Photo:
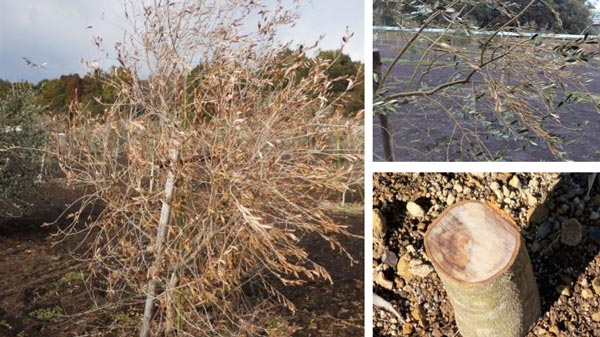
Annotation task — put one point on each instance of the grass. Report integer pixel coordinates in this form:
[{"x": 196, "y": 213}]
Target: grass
[
  {"x": 46, "y": 314},
  {"x": 70, "y": 277}
]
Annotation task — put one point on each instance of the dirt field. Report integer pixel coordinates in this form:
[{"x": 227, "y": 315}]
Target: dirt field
[
  {"x": 419, "y": 129},
  {"x": 42, "y": 292}
]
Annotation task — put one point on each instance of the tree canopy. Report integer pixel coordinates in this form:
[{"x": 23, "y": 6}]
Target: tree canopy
[
  {"x": 566, "y": 16},
  {"x": 94, "y": 90}
]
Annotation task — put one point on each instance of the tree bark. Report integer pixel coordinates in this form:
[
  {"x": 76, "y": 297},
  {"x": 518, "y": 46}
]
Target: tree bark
[
  {"x": 386, "y": 131},
  {"x": 482, "y": 261}
]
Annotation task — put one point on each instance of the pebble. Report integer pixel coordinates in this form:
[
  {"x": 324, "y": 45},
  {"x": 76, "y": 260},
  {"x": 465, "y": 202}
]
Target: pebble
[
  {"x": 596, "y": 285},
  {"x": 495, "y": 187},
  {"x": 595, "y": 234},
  {"x": 379, "y": 227},
  {"x": 531, "y": 200},
  {"x": 399, "y": 282},
  {"x": 418, "y": 314},
  {"x": 534, "y": 183},
  {"x": 407, "y": 329},
  {"x": 505, "y": 191},
  {"x": 402, "y": 268},
  {"x": 596, "y": 317},
  {"x": 421, "y": 269},
  {"x": 537, "y": 215},
  {"x": 515, "y": 182},
  {"x": 544, "y": 230},
  {"x": 571, "y": 232},
  {"x": 415, "y": 209},
  {"x": 390, "y": 258},
  {"x": 458, "y": 187},
  {"x": 381, "y": 280},
  {"x": 594, "y": 216},
  {"x": 451, "y": 199},
  {"x": 587, "y": 293},
  {"x": 564, "y": 290}
]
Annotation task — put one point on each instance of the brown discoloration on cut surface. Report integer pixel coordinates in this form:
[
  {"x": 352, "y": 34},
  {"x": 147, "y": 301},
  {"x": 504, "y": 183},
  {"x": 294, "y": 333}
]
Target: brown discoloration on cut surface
[
  {"x": 472, "y": 242},
  {"x": 459, "y": 255}
]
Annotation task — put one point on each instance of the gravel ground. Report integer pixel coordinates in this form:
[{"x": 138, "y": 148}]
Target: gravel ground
[{"x": 558, "y": 215}]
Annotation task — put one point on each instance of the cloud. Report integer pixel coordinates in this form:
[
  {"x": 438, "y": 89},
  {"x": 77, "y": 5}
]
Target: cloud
[{"x": 56, "y": 32}]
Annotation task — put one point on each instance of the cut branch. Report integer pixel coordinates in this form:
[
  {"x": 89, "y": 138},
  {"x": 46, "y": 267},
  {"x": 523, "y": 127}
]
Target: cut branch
[{"x": 484, "y": 266}]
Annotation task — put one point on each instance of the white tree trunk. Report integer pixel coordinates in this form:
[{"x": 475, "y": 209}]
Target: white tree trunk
[{"x": 163, "y": 223}]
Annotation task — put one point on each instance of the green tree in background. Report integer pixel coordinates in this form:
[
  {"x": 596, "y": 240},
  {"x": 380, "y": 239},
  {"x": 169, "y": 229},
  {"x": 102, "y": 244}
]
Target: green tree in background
[
  {"x": 343, "y": 67},
  {"x": 20, "y": 137},
  {"x": 565, "y": 16},
  {"x": 94, "y": 90}
]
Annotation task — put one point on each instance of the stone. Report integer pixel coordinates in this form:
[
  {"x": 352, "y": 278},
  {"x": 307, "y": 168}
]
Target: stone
[
  {"x": 407, "y": 329},
  {"x": 596, "y": 285},
  {"x": 451, "y": 199},
  {"x": 537, "y": 215},
  {"x": 381, "y": 280},
  {"x": 571, "y": 232},
  {"x": 531, "y": 200},
  {"x": 543, "y": 231},
  {"x": 555, "y": 330},
  {"x": 515, "y": 182},
  {"x": 458, "y": 187},
  {"x": 415, "y": 209},
  {"x": 402, "y": 268},
  {"x": 596, "y": 316},
  {"x": 505, "y": 191},
  {"x": 390, "y": 258},
  {"x": 587, "y": 293},
  {"x": 595, "y": 234},
  {"x": 596, "y": 201},
  {"x": 379, "y": 226},
  {"x": 495, "y": 186},
  {"x": 594, "y": 216},
  {"x": 399, "y": 282},
  {"x": 564, "y": 290},
  {"x": 419, "y": 315},
  {"x": 420, "y": 269}
]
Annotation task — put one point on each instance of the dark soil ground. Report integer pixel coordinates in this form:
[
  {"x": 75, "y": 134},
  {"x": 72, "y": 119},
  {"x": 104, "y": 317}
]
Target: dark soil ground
[
  {"x": 42, "y": 292},
  {"x": 565, "y": 259},
  {"x": 421, "y": 129}
]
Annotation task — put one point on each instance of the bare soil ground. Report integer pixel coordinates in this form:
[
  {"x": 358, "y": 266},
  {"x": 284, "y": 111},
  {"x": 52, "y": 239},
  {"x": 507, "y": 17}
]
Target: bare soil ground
[{"x": 43, "y": 293}]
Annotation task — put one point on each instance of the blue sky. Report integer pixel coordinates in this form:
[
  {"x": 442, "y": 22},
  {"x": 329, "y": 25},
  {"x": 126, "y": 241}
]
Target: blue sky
[{"x": 55, "y": 32}]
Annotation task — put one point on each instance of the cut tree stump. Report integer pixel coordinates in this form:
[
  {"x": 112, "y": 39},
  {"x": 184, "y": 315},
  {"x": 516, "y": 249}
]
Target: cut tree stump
[{"x": 478, "y": 254}]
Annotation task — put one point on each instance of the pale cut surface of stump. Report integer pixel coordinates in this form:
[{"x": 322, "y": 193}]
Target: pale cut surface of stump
[{"x": 478, "y": 254}]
